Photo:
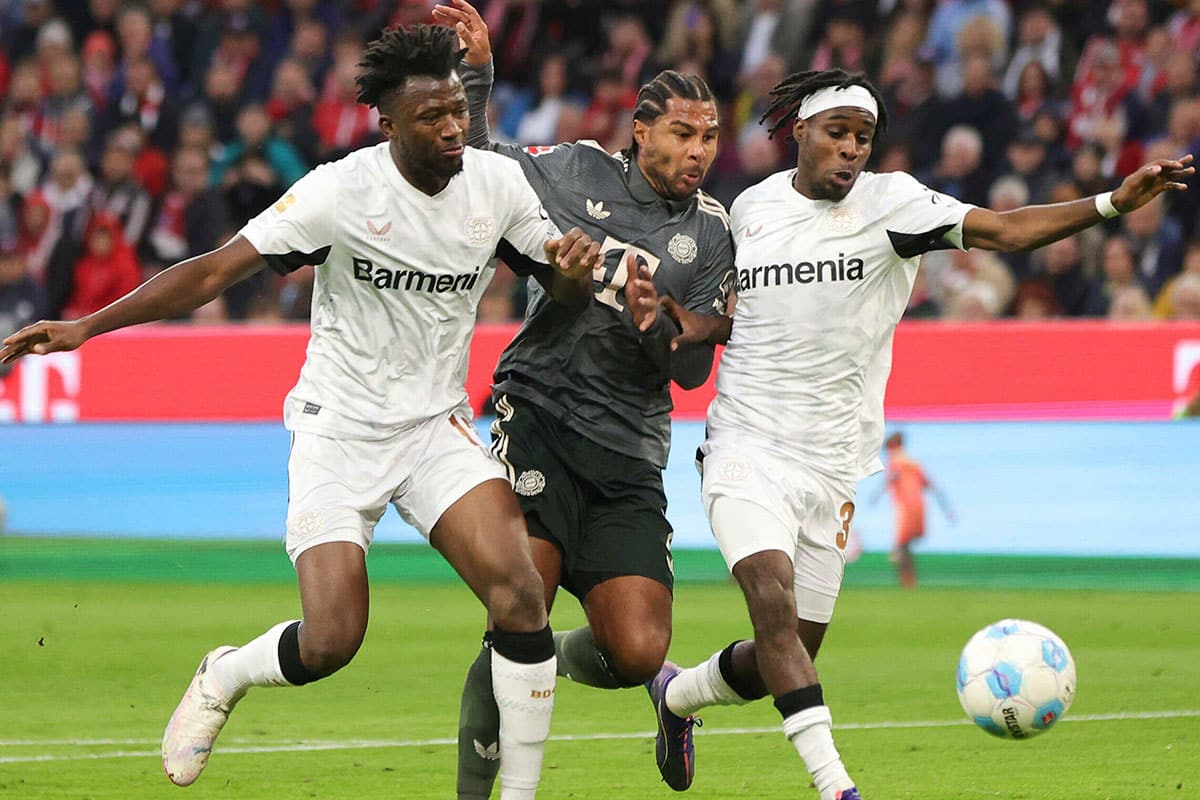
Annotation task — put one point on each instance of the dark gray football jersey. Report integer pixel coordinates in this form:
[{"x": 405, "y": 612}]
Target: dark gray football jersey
[{"x": 589, "y": 367}]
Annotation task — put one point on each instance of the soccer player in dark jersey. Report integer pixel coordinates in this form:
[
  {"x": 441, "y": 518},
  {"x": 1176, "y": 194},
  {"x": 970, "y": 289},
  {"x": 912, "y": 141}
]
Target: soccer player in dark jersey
[{"x": 582, "y": 394}]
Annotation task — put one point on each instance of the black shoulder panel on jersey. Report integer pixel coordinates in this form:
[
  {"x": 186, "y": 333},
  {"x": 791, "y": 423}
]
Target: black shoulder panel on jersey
[
  {"x": 909, "y": 245},
  {"x": 517, "y": 261},
  {"x": 290, "y": 262}
]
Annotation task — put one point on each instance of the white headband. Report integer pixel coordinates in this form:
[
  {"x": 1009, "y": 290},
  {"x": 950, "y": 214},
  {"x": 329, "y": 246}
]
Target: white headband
[{"x": 833, "y": 97}]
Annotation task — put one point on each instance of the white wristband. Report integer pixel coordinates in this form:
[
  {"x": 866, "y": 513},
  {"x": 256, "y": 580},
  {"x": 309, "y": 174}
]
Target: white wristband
[{"x": 1104, "y": 205}]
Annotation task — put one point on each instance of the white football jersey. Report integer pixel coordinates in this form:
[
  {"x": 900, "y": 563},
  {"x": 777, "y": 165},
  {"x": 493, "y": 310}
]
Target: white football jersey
[
  {"x": 399, "y": 275},
  {"x": 821, "y": 286}
]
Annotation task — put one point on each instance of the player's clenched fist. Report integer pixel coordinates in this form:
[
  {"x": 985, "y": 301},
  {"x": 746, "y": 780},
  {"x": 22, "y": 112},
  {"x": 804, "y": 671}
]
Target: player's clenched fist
[
  {"x": 42, "y": 338},
  {"x": 575, "y": 255}
]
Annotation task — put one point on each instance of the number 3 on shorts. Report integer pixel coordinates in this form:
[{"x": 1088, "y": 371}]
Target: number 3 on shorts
[{"x": 846, "y": 515}]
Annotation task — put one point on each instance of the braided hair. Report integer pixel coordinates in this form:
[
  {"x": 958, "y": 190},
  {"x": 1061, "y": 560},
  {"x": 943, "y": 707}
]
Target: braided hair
[
  {"x": 652, "y": 98},
  {"x": 790, "y": 92},
  {"x": 402, "y": 53}
]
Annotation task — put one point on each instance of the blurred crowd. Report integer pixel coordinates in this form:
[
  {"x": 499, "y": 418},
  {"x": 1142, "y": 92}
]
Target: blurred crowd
[{"x": 134, "y": 135}]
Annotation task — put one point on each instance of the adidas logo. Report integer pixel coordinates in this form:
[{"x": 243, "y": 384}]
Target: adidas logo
[
  {"x": 596, "y": 210},
  {"x": 489, "y": 753}
]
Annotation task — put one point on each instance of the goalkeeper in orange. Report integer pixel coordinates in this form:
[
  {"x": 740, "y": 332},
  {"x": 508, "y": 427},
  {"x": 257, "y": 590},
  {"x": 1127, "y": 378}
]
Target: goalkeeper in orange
[{"x": 907, "y": 483}]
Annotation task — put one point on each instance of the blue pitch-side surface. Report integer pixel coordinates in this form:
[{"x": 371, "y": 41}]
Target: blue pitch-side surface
[{"x": 1051, "y": 488}]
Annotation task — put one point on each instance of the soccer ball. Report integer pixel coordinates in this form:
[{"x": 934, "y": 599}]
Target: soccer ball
[{"x": 1015, "y": 679}]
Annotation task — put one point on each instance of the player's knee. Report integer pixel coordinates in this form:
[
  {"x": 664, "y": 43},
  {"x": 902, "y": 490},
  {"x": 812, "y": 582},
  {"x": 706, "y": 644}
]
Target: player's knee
[
  {"x": 325, "y": 649},
  {"x": 770, "y": 601},
  {"x": 638, "y": 655},
  {"x": 516, "y": 603}
]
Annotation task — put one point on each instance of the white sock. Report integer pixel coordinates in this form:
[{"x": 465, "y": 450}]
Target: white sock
[
  {"x": 525, "y": 695},
  {"x": 700, "y": 686},
  {"x": 255, "y": 663},
  {"x": 811, "y": 733}
]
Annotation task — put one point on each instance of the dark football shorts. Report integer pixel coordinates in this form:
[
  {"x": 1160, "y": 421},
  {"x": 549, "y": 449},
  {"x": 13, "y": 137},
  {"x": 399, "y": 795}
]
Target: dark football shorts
[{"x": 606, "y": 512}]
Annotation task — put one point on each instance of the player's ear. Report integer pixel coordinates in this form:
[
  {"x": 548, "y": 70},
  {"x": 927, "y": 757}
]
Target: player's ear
[
  {"x": 640, "y": 132},
  {"x": 798, "y": 127},
  {"x": 387, "y": 126}
]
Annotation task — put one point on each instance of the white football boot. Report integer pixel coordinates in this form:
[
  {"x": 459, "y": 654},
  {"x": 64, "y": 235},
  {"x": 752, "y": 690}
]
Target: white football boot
[{"x": 199, "y": 717}]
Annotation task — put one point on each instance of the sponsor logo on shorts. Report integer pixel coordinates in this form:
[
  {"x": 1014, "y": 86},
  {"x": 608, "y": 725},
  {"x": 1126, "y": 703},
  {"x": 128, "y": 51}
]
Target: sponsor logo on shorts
[
  {"x": 305, "y": 526},
  {"x": 312, "y": 408},
  {"x": 489, "y": 752},
  {"x": 732, "y": 470},
  {"x": 531, "y": 483}
]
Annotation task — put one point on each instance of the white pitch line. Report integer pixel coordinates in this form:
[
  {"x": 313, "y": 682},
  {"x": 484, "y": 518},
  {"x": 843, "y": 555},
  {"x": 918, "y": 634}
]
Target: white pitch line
[{"x": 309, "y": 745}]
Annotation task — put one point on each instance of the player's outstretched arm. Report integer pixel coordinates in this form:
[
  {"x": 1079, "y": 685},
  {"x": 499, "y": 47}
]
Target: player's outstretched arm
[
  {"x": 1030, "y": 227},
  {"x": 172, "y": 293}
]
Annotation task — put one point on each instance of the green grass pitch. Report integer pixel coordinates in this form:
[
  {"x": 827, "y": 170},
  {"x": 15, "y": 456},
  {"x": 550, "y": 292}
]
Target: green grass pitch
[{"x": 91, "y": 665}]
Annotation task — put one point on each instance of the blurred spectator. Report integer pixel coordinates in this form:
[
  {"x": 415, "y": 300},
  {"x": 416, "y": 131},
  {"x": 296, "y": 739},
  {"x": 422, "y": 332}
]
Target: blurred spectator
[
  {"x": 20, "y": 40},
  {"x": 1034, "y": 91},
  {"x": 913, "y": 110},
  {"x": 1184, "y": 27},
  {"x": 341, "y": 123},
  {"x": 21, "y": 298},
  {"x": 704, "y": 33},
  {"x": 775, "y": 27},
  {"x": 1164, "y": 307},
  {"x": 66, "y": 94},
  {"x": 256, "y": 139},
  {"x": 1087, "y": 170},
  {"x": 293, "y": 14},
  {"x": 1119, "y": 272},
  {"x": 539, "y": 123},
  {"x": 24, "y": 101},
  {"x": 844, "y": 41},
  {"x": 960, "y": 171},
  {"x": 983, "y": 107},
  {"x": 290, "y": 107},
  {"x": 1179, "y": 90},
  {"x": 629, "y": 50},
  {"x": 902, "y": 33},
  {"x": 18, "y": 159},
  {"x": 175, "y": 33},
  {"x": 1184, "y": 297},
  {"x": 606, "y": 118},
  {"x": 135, "y": 31},
  {"x": 99, "y": 59},
  {"x": 1130, "y": 304},
  {"x": 117, "y": 193},
  {"x": 1103, "y": 106},
  {"x": 977, "y": 302},
  {"x": 192, "y": 217},
  {"x": 942, "y": 45},
  {"x": 1025, "y": 158},
  {"x": 222, "y": 99},
  {"x": 1157, "y": 243},
  {"x": 85, "y": 16},
  {"x": 145, "y": 100},
  {"x": 107, "y": 271},
  {"x": 9, "y": 209},
  {"x": 1060, "y": 265},
  {"x": 310, "y": 48},
  {"x": 952, "y": 274},
  {"x": 755, "y": 157},
  {"x": 1034, "y": 300},
  {"x": 1039, "y": 41}
]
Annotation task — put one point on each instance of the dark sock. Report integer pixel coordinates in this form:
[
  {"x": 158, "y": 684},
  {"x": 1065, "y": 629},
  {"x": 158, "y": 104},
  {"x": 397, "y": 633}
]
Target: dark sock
[
  {"x": 744, "y": 689},
  {"x": 290, "y": 665},
  {"x": 796, "y": 701},
  {"x": 478, "y": 729},
  {"x": 581, "y": 660},
  {"x": 524, "y": 648}
]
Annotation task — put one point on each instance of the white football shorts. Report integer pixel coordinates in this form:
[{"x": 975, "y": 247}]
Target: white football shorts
[
  {"x": 338, "y": 489},
  {"x": 758, "y": 500}
]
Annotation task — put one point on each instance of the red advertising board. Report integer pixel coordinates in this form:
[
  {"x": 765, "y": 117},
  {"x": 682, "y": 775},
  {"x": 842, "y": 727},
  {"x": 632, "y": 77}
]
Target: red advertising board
[{"x": 1066, "y": 370}]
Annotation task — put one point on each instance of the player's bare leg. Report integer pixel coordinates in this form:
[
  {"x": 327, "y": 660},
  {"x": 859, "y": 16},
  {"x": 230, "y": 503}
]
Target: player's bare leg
[
  {"x": 483, "y": 536},
  {"x": 478, "y": 715},
  {"x": 906, "y": 570},
  {"x": 334, "y": 598}
]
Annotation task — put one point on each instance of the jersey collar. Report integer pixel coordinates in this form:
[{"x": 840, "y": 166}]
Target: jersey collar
[{"x": 643, "y": 192}]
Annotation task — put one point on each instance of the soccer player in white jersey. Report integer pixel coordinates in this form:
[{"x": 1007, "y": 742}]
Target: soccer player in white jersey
[
  {"x": 826, "y": 257},
  {"x": 402, "y": 235}
]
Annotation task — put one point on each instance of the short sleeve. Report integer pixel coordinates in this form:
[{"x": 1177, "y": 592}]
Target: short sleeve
[
  {"x": 922, "y": 219},
  {"x": 298, "y": 228},
  {"x": 710, "y": 288},
  {"x": 529, "y": 226}
]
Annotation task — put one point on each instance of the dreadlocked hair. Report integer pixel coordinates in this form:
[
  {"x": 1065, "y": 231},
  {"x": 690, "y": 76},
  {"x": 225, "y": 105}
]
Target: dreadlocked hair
[
  {"x": 652, "y": 98},
  {"x": 402, "y": 53},
  {"x": 790, "y": 92}
]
